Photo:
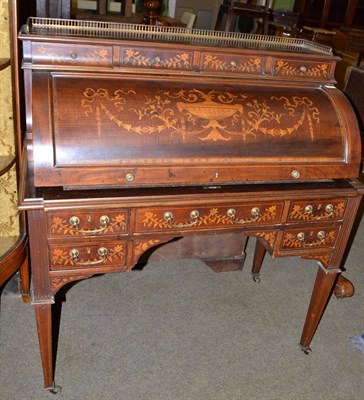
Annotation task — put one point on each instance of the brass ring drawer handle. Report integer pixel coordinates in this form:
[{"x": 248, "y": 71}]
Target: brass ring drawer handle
[
  {"x": 255, "y": 212},
  {"x": 102, "y": 251},
  {"x": 168, "y": 217},
  {"x": 321, "y": 235},
  {"x": 75, "y": 222},
  {"x": 329, "y": 209}
]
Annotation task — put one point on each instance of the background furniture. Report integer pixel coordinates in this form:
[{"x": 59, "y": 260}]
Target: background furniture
[
  {"x": 354, "y": 90},
  {"x": 231, "y": 8},
  {"x": 53, "y": 8},
  {"x": 205, "y": 10},
  {"x": 331, "y": 13},
  {"x": 284, "y": 23},
  {"x": 150, "y": 14},
  {"x": 349, "y": 45},
  {"x": 189, "y": 19},
  {"x": 319, "y": 35}
]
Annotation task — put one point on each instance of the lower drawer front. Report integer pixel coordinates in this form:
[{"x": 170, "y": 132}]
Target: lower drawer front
[
  {"x": 309, "y": 238},
  {"x": 161, "y": 219},
  {"x": 317, "y": 210},
  {"x": 88, "y": 255}
]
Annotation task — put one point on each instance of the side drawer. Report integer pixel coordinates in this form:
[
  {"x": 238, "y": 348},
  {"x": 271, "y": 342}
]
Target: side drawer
[
  {"x": 71, "y": 55},
  {"x": 161, "y": 219},
  {"x": 215, "y": 62},
  {"x": 309, "y": 238},
  {"x": 317, "y": 210},
  {"x": 82, "y": 255},
  {"x": 301, "y": 69},
  {"x": 87, "y": 223},
  {"x": 156, "y": 58}
]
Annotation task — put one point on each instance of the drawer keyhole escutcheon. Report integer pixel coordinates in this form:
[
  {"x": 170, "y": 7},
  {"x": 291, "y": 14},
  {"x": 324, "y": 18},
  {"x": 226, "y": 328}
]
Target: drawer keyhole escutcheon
[
  {"x": 255, "y": 212},
  {"x": 168, "y": 217},
  {"x": 73, "y": 56},
  {"x": 75, "y": 222}
]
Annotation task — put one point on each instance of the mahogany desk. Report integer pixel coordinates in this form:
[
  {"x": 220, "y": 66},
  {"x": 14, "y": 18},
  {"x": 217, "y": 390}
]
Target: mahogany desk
[{"x": 158, "y": 133}]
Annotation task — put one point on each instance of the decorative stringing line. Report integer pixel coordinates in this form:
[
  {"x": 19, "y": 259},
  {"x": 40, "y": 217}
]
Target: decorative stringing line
[{"x": 37, "y": 25}]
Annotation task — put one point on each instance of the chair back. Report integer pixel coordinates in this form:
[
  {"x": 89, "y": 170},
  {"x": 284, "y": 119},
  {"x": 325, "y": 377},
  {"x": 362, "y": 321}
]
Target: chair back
[{"x": 189, "y": 19}]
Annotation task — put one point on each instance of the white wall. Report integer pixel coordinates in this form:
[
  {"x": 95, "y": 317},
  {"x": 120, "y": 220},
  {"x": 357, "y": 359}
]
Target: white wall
[{"x": 171, "y": 7}]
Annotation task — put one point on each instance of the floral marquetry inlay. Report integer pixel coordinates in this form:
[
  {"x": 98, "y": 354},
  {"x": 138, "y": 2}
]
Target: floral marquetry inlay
[
  {"x": 300, "y": 213},
  {"x": 213, "y": 62},
  {"x": 213, "y": 217},
  {"x": 292, "y": 240},
  {"x": 283, "y": 67},
  {"x": 323, "y": 259},
  {"x": 137, "y": 59},
  {"x": 270, "y": 237},
  {"x": 58, "y": 282},
  {"x": 61, "y": 226},
  {"x": 100, "y": 56},
  {"x": 198, "y": 115},
  {"x": 143, "y": 245},
  {"x": 62, "y": 257}
]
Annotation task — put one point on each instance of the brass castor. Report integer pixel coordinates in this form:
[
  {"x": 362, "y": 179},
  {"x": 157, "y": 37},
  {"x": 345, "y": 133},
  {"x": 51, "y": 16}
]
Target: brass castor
[
  {"x": 306, "y": 349},
  {"x": 343, "y": 288},
  {"x": 55, "y": 389}
]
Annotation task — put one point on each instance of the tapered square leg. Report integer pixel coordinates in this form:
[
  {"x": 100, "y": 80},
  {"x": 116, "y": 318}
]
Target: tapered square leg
[
  {"x": 322, "y": 290},
  {"x": 43, "y": 314},
  {"x": 259, "y": 254}
]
